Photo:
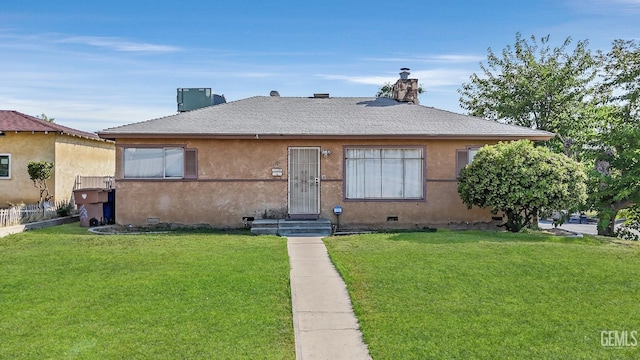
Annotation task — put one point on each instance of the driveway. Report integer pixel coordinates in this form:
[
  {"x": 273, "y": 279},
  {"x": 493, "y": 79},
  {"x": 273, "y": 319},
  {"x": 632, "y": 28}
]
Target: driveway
[{"x": 590, "y": 229}]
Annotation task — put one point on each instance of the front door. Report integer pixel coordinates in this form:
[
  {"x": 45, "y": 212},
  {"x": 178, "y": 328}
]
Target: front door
[{"x": 304, "y": 182}]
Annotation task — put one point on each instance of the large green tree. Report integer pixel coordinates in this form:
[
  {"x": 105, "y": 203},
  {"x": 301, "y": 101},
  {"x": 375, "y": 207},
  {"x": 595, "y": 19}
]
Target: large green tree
[
  {"x": 519, "y": 179},
  {"x": 535, "y": 85},
  {"x": 592, "y": 103},
  {"x": 622, "y": 73},
  {"x": 615, "y": 148}
]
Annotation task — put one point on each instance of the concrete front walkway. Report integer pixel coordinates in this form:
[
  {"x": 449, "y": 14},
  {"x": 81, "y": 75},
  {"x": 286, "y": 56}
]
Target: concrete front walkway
[{"x": 323, "y": 320}]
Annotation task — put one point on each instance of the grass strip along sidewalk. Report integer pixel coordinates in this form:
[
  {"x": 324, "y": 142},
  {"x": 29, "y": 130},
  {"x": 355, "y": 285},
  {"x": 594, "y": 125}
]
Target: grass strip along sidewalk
[
  {"x": 466, "y": 295},
  {"x": 66, "y": 293}
]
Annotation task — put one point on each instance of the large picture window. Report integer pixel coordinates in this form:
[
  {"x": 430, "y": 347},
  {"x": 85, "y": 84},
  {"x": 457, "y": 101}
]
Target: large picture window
[
  {"x": 163, "y": 163},
  {"x": 384, "y": 173},
  {"x": 5, "y": 166}
]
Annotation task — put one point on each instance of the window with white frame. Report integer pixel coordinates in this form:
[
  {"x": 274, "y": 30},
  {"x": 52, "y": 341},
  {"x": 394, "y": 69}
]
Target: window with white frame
[
  {"x": 384, "y": 173},
  {"x": 5, "y": 166},
  {"x": 159, "y": 163}
]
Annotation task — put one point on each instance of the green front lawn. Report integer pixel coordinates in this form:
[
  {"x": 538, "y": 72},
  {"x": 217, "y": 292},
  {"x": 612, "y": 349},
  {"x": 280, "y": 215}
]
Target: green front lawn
[
  {"x": 65, "y": 293},
  {"x": 466, "y": 295}
]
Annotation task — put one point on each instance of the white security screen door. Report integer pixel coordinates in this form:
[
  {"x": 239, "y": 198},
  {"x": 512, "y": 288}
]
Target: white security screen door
[{"x": 304, "y": 181}]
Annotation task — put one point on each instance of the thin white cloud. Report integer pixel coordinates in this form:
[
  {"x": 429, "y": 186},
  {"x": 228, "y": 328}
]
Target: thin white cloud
[
  {"x": 445, "y": 58},
  {"x": 117, "y": 44},
  {"x": 366, "y": 80},
  {"x": 40, "y": 41},
  {"x": 250, "y": 74},
  {"x": 441, "y": 77},
  {"x": 430, "y": 78},
  {"x": 453, "y": 58}
]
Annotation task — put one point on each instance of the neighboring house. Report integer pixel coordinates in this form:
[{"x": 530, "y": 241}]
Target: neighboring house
[
  {"x": 387, "y": 163},
  {"x": 25, "y": 138}
]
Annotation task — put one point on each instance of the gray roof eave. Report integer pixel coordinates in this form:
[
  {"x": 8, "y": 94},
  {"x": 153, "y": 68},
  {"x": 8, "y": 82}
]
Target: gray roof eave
[{"x": 113, "y": 136}]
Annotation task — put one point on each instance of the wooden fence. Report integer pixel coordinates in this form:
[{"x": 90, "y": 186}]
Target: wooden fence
[{"x": 23, "y": 214}]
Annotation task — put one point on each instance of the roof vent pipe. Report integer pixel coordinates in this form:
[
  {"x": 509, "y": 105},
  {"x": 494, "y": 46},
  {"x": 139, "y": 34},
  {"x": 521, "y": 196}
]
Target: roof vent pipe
[{"x": 404, "y": 73}]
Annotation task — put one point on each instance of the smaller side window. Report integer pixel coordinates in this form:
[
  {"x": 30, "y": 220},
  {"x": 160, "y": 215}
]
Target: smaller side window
[
  {"x": 472, "y": 154},
  {"x": 190, "y": 164},
  {"x": 5, "y": 166},
  {"x": 464, "y": 157}
]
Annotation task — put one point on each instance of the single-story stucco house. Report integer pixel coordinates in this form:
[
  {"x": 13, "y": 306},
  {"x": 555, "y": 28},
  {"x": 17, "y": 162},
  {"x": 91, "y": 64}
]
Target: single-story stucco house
[
  {"x": 387, "y": 162},
  {"x": 25, "y": 138}
]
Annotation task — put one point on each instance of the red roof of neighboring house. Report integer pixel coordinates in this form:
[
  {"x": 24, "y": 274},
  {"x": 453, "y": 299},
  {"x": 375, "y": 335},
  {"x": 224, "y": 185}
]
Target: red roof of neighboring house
[{"x": 11, "y": 120}]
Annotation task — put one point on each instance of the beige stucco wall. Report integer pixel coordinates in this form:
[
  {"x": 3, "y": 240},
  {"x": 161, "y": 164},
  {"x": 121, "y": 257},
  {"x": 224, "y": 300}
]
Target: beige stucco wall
[
  {"x": 24, "y": 147},
  {"x": 79, "y": 156},
  {"x": 235, "y": 181},
  {"x": 71, "y": 156}
]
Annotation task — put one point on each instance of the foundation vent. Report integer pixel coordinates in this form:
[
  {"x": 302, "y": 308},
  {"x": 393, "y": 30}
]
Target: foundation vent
[{"x": 247, "y": 221}]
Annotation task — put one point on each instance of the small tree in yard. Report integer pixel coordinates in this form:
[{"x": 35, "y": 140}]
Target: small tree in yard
[
  {"x": 40, "y": 172},
  {"x": 519, "y": 180}
]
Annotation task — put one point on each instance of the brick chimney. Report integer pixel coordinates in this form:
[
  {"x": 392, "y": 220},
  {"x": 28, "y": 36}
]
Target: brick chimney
[{"x": 405, "y": 89}]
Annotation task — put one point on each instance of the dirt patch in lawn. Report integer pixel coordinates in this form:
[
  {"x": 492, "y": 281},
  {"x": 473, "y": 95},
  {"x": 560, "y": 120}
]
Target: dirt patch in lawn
[{"x": 558, "y": 232}]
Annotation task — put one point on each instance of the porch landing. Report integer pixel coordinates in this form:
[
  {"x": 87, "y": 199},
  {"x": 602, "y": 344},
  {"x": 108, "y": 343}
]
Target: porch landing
[{"x": 292, "y": 228}]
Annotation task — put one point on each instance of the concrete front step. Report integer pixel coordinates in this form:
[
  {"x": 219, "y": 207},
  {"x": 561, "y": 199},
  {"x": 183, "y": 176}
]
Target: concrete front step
[{"x": 291, "y": 228}]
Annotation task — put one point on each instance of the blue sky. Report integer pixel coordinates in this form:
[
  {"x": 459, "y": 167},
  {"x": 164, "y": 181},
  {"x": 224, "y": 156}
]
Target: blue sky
[{"x": 98, "y": 64}]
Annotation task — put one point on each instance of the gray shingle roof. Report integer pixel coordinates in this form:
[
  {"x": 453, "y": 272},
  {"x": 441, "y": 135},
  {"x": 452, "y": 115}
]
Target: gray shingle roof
[{"x": 340, "y": 117}]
